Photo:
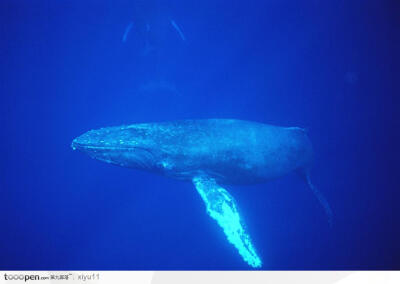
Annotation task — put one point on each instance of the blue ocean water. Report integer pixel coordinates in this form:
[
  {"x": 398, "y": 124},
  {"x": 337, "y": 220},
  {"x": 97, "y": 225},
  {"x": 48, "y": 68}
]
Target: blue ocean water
[{"x": 71, "y": 66}]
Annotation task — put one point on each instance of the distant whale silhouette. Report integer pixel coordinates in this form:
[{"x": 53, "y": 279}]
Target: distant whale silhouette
[{"x": 209, "y": 152}]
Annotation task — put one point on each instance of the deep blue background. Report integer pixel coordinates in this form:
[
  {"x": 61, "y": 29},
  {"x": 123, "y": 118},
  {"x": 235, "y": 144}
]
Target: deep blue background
[{"x": 328, "y": 66}]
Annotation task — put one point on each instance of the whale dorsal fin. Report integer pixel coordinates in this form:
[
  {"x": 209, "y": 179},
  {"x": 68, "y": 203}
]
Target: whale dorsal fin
[{"x": 221, "y": 206}]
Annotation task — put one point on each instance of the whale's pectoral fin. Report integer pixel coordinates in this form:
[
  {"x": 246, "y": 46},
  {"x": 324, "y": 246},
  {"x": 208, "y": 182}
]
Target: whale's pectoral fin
[{"x": 222, "y": 207}]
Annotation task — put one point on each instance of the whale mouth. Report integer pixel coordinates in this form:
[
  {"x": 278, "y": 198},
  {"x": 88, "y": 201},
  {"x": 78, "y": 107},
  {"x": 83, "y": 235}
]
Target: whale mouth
[
  {"x": 123, "y": 155},
  {"x": 82, "y": 146},
  {"x": 117, "y": 145},
  {"x": 75, "y": 145}
]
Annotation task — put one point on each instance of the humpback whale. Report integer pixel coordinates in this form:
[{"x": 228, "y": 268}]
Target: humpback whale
[{"x": 211, "y": 153}]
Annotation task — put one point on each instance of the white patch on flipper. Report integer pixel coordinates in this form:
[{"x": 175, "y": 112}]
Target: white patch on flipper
[{"x": 221, "y": 206}]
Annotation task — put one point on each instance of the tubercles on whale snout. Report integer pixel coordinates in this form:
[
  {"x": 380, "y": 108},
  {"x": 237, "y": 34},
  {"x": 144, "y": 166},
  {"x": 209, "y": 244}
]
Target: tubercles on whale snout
[{"x": 122, "y": 146}]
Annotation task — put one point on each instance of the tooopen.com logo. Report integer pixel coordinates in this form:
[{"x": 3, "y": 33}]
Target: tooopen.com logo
[{"x": 21, "y": 277}]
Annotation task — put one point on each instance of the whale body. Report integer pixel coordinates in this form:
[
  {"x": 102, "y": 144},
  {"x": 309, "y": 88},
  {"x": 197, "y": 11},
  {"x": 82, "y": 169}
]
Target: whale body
[{"x": 210, "y": 153}]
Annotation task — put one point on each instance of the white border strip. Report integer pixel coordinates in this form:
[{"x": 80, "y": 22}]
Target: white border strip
[{"x": 202, "y": 277}]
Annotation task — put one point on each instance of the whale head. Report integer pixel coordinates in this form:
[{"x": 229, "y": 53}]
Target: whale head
[{"x": 126, "y": 146}]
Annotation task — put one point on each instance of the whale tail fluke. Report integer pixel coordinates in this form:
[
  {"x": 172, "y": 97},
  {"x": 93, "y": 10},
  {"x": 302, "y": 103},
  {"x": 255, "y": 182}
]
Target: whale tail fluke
[{"x": 321, "y": 198}]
